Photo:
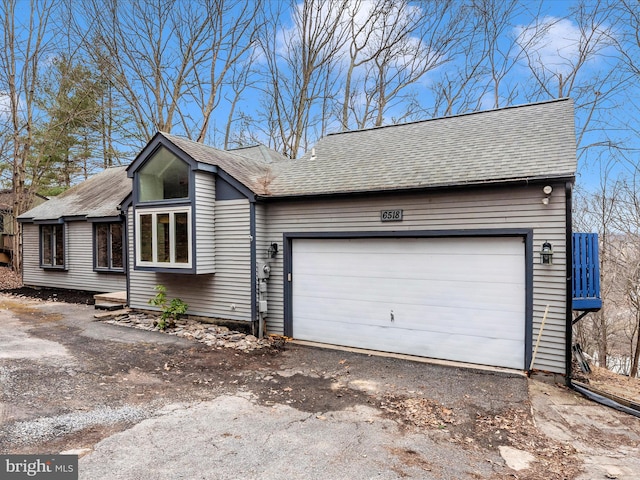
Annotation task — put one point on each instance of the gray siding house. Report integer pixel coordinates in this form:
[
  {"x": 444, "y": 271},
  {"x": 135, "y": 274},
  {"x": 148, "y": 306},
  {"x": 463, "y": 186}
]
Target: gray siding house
[
  {"x": 76, "y": 239},
  {"x": 424, "y": 238}
]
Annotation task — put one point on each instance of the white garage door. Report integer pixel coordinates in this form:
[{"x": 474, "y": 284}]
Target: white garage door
[{"x": 458, "y": 299}]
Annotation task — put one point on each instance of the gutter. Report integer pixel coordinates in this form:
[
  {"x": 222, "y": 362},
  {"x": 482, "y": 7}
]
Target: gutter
[{"x": 505, "y": 182}]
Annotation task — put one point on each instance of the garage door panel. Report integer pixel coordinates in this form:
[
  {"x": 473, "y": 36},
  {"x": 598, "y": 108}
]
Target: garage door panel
[
  {"x": 491, "y": 350},
  {"x": 419, "y": 319},
  {"x": 412, "y": 291},
  {"x": 457, "y": 298},
  {"x": 446, "y": 246},
  {"x": 361, "y": 265}
]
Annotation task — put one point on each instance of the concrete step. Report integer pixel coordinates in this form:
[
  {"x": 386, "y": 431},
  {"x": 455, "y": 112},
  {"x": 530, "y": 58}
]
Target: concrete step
[
  {"x": 114, "y": 313},
  {"x": 113, "y": 297}
]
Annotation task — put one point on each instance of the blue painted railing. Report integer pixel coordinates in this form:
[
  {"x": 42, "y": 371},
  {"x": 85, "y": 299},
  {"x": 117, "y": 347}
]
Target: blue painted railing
[{"x": 586, "y": 272}]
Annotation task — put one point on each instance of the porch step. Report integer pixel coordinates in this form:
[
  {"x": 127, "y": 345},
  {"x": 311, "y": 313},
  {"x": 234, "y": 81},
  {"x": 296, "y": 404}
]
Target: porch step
[{"x": 110, "y": 301}]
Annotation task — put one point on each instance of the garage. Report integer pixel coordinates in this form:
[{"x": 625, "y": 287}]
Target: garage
[{"x": 453, "y": 298}]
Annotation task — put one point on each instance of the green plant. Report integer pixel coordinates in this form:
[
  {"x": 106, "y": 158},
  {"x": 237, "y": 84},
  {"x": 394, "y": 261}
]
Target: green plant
[{"x": 170, "y": 311}]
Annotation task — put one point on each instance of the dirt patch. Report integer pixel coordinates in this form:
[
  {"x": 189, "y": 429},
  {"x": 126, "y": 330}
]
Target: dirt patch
[
  {"x": 419, "y": 412},
  {"x": 411, "y": 458},
  {"x": 474, "y": 411},
  {"x": 51, "y": 294},
  {"x": 487, "y": 431},
  {"x": 309, "y": 394}
]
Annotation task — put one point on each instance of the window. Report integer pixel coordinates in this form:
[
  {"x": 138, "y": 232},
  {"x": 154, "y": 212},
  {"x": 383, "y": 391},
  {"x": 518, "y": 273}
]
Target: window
[
  {"x": 163, "y": 177},
  {"x": 52, "y": 246},
  {"x": 164, "y": 237},
  {"x": 108, "y": 247}
]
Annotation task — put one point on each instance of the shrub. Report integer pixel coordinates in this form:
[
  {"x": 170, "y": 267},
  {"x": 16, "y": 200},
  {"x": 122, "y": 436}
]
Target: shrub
[{"x": 170, "y": 311}]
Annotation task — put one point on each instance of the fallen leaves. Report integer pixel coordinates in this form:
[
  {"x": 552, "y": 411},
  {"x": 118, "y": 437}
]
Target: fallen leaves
[{"x": 421, "y": 412}]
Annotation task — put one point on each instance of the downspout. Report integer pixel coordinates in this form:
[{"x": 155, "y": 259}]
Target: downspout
[
  {"x": 125, "y": 251},
  {"x": 569, "y": 287},
  {"x": 254, "y": 279}
]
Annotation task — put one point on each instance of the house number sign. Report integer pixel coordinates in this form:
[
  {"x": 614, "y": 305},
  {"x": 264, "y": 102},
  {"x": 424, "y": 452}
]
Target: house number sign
[{"x": 391, "y": 215}]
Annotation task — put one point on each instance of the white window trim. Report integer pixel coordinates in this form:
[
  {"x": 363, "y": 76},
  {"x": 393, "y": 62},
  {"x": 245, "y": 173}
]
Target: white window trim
[{"x": 154, "y": 237}]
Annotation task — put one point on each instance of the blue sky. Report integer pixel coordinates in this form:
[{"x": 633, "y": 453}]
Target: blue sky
[
  {"x": 616, "y": 121},
  {"x": 591, "y": 81}
]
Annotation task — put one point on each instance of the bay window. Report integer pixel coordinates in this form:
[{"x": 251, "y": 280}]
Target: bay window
[{"x": 164, "y": 237}]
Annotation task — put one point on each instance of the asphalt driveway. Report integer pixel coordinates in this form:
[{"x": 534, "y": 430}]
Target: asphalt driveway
[{"x": 137, "y": 404}]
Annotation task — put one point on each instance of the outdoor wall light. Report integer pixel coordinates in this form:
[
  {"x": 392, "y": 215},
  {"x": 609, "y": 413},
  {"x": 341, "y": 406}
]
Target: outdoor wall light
[
  {"x": 546, "y": 254},
  {"x": 547, "y": 194},
  {"x": 273, "y": 250}
]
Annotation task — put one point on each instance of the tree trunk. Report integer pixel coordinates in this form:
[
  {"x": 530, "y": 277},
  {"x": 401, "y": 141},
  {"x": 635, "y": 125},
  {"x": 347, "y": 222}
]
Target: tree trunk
[{"x": 636, "y": 353}]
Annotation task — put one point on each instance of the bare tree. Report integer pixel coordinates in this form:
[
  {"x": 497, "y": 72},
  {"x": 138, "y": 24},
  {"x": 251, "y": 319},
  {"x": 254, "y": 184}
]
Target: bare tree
[
  {"x": 568, "y": 70},
  {"x": 392, "y": 46},
  {"x": 242, "y": 78},
  {"x": 298, "y": 64},
  {"x": 409, "y": 42},
  {"x": 486, "y": 52},
  {"x": 25, "y": 47},
  {"x": 627, "y": 223},
  {"x": 168, "y": 59},
  {"x": 627, "y": 39},
  {"x": 597, "y": 213},
  {"x": 362, "y": 19}
]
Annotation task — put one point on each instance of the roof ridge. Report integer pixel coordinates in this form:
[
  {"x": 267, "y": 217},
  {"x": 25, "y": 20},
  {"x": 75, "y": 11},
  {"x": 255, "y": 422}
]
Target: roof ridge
[{"x": 434, "y": 119}]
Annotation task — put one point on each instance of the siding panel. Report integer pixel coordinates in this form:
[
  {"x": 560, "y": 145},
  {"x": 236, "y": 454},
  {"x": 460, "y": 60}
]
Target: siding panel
[
  {"x": 78, "y": 259},
  {"x": 503, "y": 208},
  {"x": 204, "y": 212},
  {"x": 225, "y": 294}
]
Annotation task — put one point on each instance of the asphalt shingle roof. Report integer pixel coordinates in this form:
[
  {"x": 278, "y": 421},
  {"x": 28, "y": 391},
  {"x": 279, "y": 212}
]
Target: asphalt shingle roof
[
  {"x": 249, "y": 171},
  {"x": 526, "y": 142},
  {"x": 98, "y": 196},
  {"x": 520, "y": 143},
  {"x": 259, "y": 152},
  {"x": 509, "y": 144}
]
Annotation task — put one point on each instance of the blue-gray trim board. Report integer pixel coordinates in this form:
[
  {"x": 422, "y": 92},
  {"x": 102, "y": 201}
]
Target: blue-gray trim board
[{"x": 226, "y": 191}]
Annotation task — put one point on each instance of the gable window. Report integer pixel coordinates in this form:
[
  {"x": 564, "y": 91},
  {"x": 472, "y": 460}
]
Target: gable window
[
  {"x": 164, "y": 237},
  {"x": 163, "y": 177},
  {"x": 52, "y": 246},
  {"x": 108, "y": 247}
]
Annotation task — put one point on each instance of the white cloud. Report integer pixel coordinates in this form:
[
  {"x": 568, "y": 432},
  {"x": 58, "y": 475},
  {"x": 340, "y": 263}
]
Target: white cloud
[
  {"x": 358, "y": 17},
  {"x": 555, "y": 44},
  {"x": 5, "y": 105}
]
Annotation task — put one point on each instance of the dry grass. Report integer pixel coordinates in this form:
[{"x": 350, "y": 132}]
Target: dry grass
[{"x": 611, "y": 382}]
